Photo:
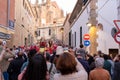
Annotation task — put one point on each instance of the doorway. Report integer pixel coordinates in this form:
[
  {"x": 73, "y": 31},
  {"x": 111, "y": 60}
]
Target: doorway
[{"x": 113, "y": 52}]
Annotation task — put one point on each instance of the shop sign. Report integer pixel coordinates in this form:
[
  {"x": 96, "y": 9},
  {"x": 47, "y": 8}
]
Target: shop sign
[{"x": 4, "y": 36}]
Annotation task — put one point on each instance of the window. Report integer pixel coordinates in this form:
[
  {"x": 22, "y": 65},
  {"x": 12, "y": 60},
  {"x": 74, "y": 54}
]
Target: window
[
  {"x": 80, "y": 34},
  {"x": 84, "y": 2},
  {"x": 23, "y": 2},
  {"x": 70, "y": 38},
  {"x": 113, "y": 52},
  {"x": 25, "y": 41},
  {"x": 22, "y": 18},
  {"x": 49, "y": 32},
  {"x": 39, "y": 32},
  {"x": 75, "y": 39}
]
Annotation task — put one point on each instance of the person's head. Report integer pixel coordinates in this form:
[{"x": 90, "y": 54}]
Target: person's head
[
  {"x": 100, "y": 26},
  {"x": 99, "y": 52},
  {"x": 105, "y": 56},
  {"x": 36, "y": 69},
  {"x": 31, "y": 53},
  {"x": 78, "y": 55},
  {"x": 70, "y": 48},
  {"x": 59, "y": 44},
  {"x": 47, "y": 57},
  {"x": 0, "y": 42},
  {"x": 20, "y": 54},
  {"x": 99, "y": 62},
  {"x": 81, "y": 46},
  {"x": 66, "y": 63}
]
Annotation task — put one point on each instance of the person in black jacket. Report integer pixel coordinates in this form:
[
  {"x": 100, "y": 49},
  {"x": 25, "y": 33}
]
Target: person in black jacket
[
  {"x": 83, "y": 62},
  {"x": 15, "y": 66}
]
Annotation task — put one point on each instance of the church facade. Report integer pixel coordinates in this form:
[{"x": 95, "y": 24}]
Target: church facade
[{"x": 50, "y": 20}]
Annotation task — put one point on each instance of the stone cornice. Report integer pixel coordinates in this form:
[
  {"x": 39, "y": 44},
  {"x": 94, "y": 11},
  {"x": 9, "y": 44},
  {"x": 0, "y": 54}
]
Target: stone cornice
[
  {"x": 76, "y": 11},
  {"x": 78, "y": 15}
]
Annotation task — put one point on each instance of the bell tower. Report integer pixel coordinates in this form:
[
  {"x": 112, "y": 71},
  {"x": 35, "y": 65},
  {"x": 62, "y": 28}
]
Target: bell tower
[
  {"x": 36, "y": 2},
  {"x": 43, "y": 1}
]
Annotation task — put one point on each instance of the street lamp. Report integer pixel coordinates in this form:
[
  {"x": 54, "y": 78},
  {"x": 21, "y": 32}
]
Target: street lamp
[
  {"x": 62, "y": 30},
  {"x": 89, "y": 24}
]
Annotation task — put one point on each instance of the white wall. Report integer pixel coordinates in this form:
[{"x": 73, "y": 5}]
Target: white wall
[
  {"x": 118, "y": 6},
  {"x": 106, "y": 15},
  {"x": 105, "y": 42},
  {"x": 81, "y": 22}
]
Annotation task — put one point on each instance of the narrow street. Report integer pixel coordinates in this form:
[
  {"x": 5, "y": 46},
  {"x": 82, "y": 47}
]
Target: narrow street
[{"x": 59, "y": 39}]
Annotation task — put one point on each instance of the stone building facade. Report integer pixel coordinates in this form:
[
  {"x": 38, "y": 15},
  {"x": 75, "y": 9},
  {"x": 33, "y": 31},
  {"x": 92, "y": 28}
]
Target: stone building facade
[
  {"x": 7, "y": 20},
  {"x": 25, "y": 23},
  {"x": 66, "y": 26},
  {"x": 50, "y": 20}
]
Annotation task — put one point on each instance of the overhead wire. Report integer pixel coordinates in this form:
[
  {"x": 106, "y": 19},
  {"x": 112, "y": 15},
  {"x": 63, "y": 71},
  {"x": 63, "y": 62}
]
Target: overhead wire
[
  {"x": 106, "y": 20},
  {"x": 102, "y": 16},
  {"x": 103, "y": 5}
]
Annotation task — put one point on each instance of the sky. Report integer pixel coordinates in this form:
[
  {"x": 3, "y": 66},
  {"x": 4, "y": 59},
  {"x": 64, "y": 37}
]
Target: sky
[{"x": 66, "y": 5}]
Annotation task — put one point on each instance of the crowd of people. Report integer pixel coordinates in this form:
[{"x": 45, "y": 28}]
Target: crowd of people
[{"x": 56, "y": 62}]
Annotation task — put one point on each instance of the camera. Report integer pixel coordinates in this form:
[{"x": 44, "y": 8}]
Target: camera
[{"x": 4, "y": 42}]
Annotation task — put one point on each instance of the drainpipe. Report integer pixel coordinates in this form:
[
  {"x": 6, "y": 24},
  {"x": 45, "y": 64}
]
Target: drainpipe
[
  {"x": 118, "y": 8},
  {"x": 8, "y": 12}
]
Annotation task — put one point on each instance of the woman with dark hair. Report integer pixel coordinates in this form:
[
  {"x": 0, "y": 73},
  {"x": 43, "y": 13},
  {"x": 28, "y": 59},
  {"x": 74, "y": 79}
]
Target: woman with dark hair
[
  {"x": 30, "y": 54},
  {"x": 70, "y": 68},
  {"x": 36, "y": 69},
  {"x": 15, "y": 66}
]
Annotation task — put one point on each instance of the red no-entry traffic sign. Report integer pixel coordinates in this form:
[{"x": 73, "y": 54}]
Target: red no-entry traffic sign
[{"x": 86, "y": 37}]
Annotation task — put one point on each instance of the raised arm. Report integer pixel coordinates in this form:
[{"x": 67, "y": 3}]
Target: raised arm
[{"x": 2, "y": 54}]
